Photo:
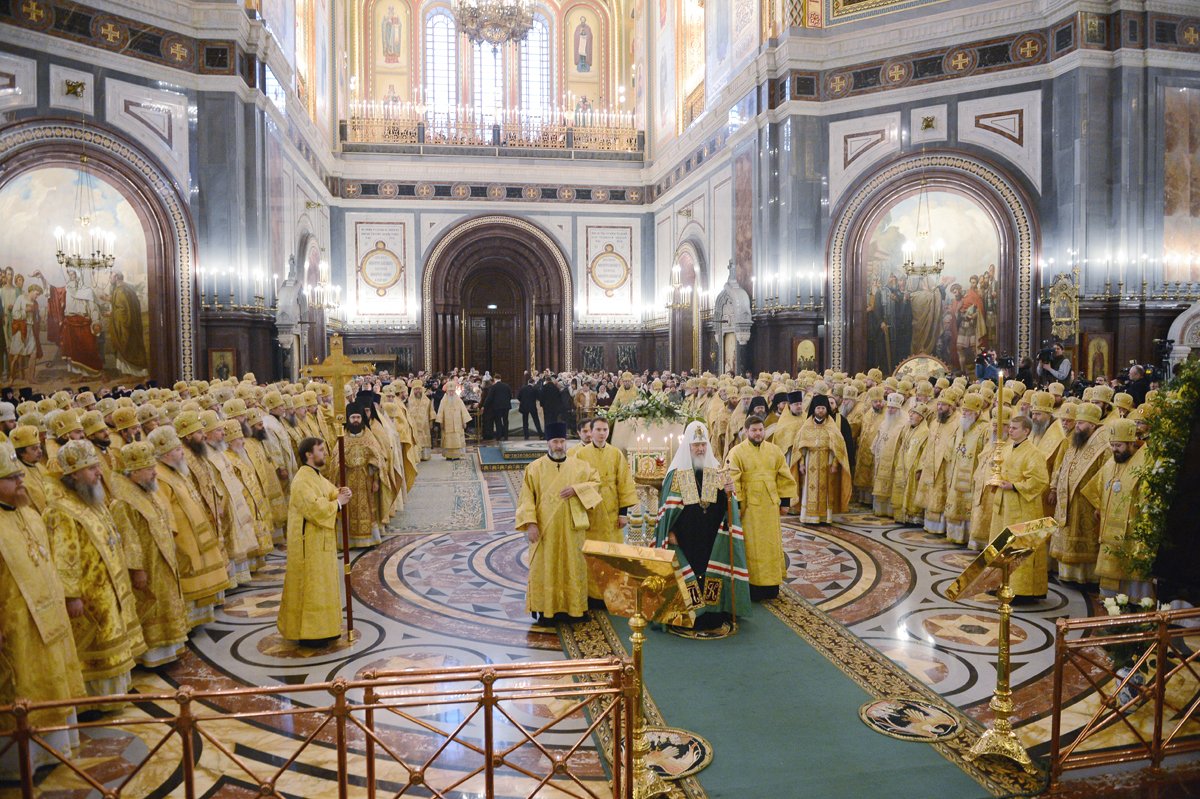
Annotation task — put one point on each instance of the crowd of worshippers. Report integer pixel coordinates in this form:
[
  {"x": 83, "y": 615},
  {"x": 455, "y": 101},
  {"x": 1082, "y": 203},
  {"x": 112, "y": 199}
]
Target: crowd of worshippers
[
  {"x": 958, "y": 458},
  {"x": 126, "y": 518}
]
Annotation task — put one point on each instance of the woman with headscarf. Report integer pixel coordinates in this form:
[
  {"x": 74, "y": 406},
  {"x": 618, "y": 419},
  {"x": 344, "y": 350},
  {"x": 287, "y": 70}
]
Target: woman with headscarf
[{"x": 699, "y": 519}]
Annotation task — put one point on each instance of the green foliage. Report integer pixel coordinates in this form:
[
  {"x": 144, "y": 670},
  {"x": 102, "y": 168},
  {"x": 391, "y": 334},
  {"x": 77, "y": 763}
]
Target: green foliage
[
  {"x": 1170, "y": 430},
  {"x": 652, "y": 407}
]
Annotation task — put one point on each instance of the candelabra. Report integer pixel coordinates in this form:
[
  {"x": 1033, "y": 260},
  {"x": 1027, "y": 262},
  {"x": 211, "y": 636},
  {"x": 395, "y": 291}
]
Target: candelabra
[
  {"x": 89, "y": 247},
  {"x": 680, "y": 297}
]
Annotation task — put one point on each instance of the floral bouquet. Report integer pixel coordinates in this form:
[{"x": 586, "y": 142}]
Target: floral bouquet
[
  {"x": 1123, "y": 656},
  {"x": 653, "y": 408}
]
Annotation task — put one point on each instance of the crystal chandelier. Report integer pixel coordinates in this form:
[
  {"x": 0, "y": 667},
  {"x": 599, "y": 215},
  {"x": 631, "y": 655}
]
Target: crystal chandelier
[
  {"x": 496, "y": 22},
  {"x": 87, "y": 247},
  {"x": 924, "y": 222}
]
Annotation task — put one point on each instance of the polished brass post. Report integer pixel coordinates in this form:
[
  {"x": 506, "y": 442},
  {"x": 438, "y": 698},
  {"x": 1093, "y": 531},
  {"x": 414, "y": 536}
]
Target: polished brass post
[
  {"x": 1000, "y": 739},
  {"x": 646, "y": 782}
]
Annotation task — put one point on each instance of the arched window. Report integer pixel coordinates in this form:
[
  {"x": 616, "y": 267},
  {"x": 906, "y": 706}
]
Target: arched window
[
  {"x": 488, "y": 83},
  {"x": 441, "y": 85},
  {"x": 536, "y": 88}
]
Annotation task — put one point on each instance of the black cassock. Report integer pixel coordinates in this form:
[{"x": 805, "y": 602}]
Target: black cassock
[{"x": 695, "y": 530}]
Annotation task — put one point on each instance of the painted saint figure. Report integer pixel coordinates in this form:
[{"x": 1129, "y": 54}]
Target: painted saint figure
[
  {"x": 583, "y": 46},
  {"x": 125, "y": 329},
  {"x": 393, "y": 40}
]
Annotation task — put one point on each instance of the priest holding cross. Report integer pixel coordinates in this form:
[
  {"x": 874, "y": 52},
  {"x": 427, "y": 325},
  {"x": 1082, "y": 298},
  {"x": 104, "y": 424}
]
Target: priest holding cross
[{"x": 310, "y": 610}]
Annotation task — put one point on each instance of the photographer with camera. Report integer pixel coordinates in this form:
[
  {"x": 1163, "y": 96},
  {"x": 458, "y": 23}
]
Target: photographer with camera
[
  {"x": 1053, "y": 365},
  {"x": 985, "y": 365}
]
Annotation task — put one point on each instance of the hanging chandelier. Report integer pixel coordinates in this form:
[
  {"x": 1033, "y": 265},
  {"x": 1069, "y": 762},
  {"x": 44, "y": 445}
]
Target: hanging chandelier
[
  {"x": 922, "y": 245},
  {"x": 88, "y": 246},
  {"x": 495, "y": 22}
]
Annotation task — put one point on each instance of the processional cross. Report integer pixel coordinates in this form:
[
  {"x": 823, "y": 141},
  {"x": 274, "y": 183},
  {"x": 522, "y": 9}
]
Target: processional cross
[{"x": 337, "y": 368}]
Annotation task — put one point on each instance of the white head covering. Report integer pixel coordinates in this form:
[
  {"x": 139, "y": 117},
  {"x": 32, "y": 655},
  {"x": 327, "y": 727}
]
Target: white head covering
[{"x": 696, "y": 431}]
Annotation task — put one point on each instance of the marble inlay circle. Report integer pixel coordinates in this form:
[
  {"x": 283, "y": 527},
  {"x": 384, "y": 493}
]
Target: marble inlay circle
[{"x": 971, "y": 631}]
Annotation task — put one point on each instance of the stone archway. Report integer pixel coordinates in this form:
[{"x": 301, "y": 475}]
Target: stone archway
[
  {"x": 999, "y": 196},
  {"x": 159, "y": 204},
  {"x": 531, "y": 325}
]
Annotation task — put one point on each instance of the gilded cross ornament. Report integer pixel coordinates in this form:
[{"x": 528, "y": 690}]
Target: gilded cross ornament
[
  {"x": 110, "y": 32},
  {"x": 1030, "y": 48},
  {"x": 33, "y": 11},
  {"x": 838, "y": 84},
  {"x": 337, "y": 369},
  {"x": 1191, "y": 36},
  {"x": 960, "y": 61},
  {"x": 179, "y": 52},
  {"x": 897, "y": 73}
]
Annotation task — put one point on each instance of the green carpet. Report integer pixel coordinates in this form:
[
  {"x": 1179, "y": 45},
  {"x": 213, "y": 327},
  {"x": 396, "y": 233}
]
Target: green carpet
[
  {"x": 783, "y": 720},
  {"x": 779, "y": 703}
]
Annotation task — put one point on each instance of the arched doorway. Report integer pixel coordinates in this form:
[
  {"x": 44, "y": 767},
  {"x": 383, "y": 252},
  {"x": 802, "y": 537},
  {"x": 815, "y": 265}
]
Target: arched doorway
[
  {"x": 513, "y": 265},
  {"x": 494, "y": 316},
  {"x": 986, "y": 214},
  {"x": 687, "y": 281}
]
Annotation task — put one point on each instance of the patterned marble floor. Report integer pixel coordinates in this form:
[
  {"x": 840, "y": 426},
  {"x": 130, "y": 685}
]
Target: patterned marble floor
[{"x": 447, "y": 589}]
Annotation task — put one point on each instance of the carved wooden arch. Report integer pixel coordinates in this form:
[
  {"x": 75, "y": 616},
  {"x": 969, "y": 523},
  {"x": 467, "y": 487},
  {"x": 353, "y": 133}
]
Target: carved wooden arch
[
  {"x": 524, "y": 253},
  {"x": 159, "y": 203},
  {"x": 1004, "y": 198}
]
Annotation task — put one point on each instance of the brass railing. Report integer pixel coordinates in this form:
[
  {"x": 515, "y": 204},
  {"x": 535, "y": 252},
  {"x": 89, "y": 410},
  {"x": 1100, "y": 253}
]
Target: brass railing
[
  {"x": 427, "y": 732},
  {"x": 1150, "y": 703},
  {"x": 591, "y": 132}
]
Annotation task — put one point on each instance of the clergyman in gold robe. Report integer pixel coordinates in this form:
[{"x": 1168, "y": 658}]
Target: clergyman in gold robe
[
  {"x": 1119, "y": 486},
  {"x": 556, "y": 494},
  {"x": 821, "y": 465},
  {"x": 37, "y": 649},
  {"x": 364, "y": 466},
  {"x": 453, "y": 417},
  {"x": 618, "y": 492},
  {"x": 311, "y": 609},
  {"x": 763, "y": 485},
  {"x": 1075, "y": 497},
  {"x": 1020, "y": 486}
]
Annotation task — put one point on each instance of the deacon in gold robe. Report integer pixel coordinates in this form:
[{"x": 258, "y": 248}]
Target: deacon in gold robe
[
  {"x": 91, "y": 557},
  {"x": 887, "y": 452},
  {"x": 37, "y": 649},
  {"x": 453, "y": 417},
  {"x": 935, "y": 461},
  {"x": 421, "y": 416},
  {"x": 821, "y": 465},
  {"x": 1020, "y": 487},
  {"x": 203, "y": 570},
  {"x": 1119, "y": 486},
  {"x": 617, "y": 490},
  {"x": 871, "y": 421},
  {"x": 311, "y": 609},
  {"x": 1075, "y": 497},
  {"x": 968, "y": 443},
  {"x": 364, "y": 466},
  {"x": 138, "y": 510},
  {"x": 557, "y": 494},
  {"x": 763, "y": 485}
]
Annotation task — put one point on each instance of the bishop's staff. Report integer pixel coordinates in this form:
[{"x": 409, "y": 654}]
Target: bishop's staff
[{"x": 336, "y": 368}]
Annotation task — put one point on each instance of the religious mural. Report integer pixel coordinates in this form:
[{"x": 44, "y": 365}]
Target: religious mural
[
  {"x": 69, "y": 326},
  {"x": 664, "y": 72},
  {"x": 388, "y": 52},
  {"x": 583, "y": 43},
  {"x": 691, "y": 54},
  {"x": 1181, "y": 186},
  {"x": 949, "y": 315},
  {"x": 718, "y": 23}
]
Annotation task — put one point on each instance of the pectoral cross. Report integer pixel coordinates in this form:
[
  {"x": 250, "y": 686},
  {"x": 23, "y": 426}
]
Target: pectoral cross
[{"x": 336, "y": 369}]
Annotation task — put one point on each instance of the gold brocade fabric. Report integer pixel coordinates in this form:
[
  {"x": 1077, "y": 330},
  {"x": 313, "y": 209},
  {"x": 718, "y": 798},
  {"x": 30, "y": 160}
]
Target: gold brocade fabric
[
  {"x": 557, "y": 567},
  {"x": 617, "y": 490},
  {"x": 420, "y": 416},
  {"x": 965, "y": 449},
  {"x": 312, "y": 604},
  {"x": 364, "y": 464},
  {"x": 256, "y": 499},
  {"x": 1119, "y": 489},
  {"x": 935, "y": 462},
  {"x": 90, "y": 555},
  {"x": 761, "y": 479},
  {"x": 241, "y": 538},
  {"x": 453, "y": 416},
  {"x": 160, "y": 607},
  {"x": 906, "y": 476},
  {"x": 1077, "y": 539},
  {"x": 864, "y": 464},
  {"x": 824, "y": 490},
  {"x": 1025, "y": 467},
  {"x": 887, "y": 449},
  {"x": 268, "y": 478},
  {"x": 37, "y": 650},
  {"x": 201, "y": 558}
]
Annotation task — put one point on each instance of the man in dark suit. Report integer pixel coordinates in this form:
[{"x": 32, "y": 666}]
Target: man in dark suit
[
  {"x": 498, "y": 403},
  {"x": 527, "y": 405},
  {"x": 550, "y": 395}
]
